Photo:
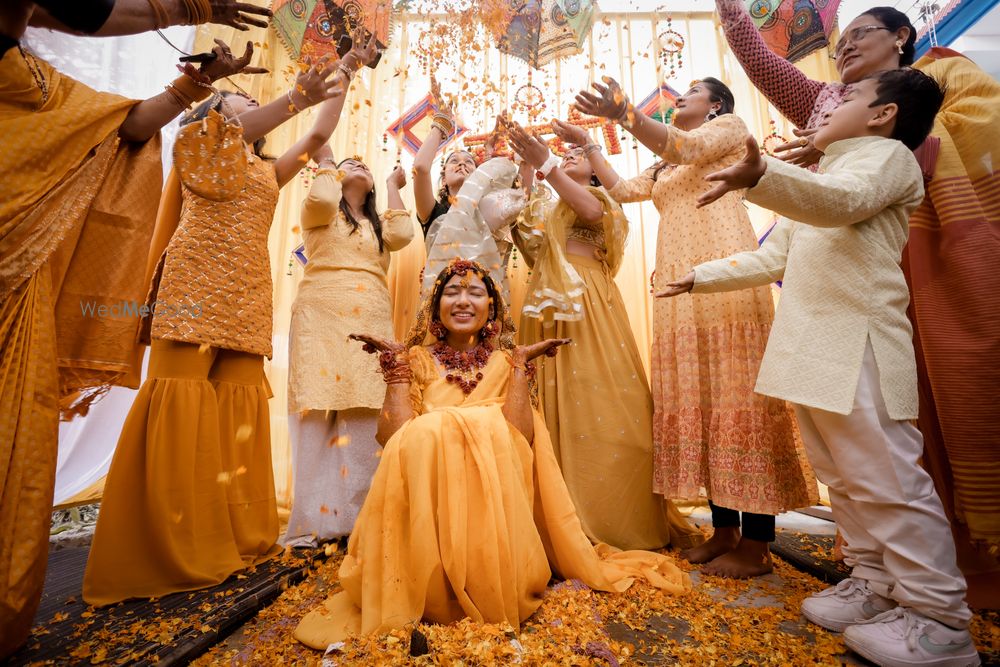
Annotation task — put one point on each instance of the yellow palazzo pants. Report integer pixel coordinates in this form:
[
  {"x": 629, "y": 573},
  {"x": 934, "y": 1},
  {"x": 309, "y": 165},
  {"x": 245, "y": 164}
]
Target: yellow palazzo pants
[
  {"x": 29, "y": 432},
  {"x": 189, "y": 498}
]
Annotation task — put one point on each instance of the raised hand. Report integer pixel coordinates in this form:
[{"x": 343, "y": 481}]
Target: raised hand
[
  {"x": 744, "y": 174},
  {"x": 317, "y": 83},
  {"x": 363, "y": 52},
  {"x": 573, "y": 134},
  {"x": 801, "y": 152},
  {"x": 226, "y": 64},
  {"x": 496, "y": 134},
  {"x": 547, "y": 347},
  {"x": 238, "y": 14},
  {"x": 678, "y": 287},
  {"x": 397, "y": 179},
  {"x": 531, "y": 149},
  {"x": 609, "y": 103},
  {"x": 442, "y": 105}
]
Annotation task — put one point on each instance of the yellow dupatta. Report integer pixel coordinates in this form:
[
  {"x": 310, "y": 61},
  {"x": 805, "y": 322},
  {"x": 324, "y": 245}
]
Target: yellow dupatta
[{"x": 555, "y": 288}]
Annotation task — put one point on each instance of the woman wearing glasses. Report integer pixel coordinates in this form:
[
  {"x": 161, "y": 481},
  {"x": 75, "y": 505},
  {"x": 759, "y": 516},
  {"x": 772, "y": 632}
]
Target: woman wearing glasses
[{"x": 952, "y": 242}]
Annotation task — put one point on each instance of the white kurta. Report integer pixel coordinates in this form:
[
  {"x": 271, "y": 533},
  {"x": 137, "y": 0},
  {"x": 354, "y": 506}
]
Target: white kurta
[{"x": 838, "y": 254}]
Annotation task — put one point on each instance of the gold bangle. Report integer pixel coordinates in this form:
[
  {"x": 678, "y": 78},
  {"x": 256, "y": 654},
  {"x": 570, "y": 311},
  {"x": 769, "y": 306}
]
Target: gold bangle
[
  {"x": 177, "y": 96},
  {"x": 191, "y": 89},
  {"x": 162, "y": 18}
]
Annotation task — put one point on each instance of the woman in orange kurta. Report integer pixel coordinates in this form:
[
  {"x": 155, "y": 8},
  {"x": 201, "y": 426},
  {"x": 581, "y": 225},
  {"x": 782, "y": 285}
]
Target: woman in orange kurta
[
  {"x": 710, "y": 429},
  {"x": 189, "y": 498},
  {"x": 468, "y": 514}
]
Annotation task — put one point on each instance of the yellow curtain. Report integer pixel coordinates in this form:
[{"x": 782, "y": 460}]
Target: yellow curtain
[{"x": 623, "y": 46}]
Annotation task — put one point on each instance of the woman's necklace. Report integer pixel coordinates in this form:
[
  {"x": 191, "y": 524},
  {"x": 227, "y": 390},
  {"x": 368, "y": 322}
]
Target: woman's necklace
[
  {"x": 36, "y": 72},
  {"x": 463, "y": 368}
]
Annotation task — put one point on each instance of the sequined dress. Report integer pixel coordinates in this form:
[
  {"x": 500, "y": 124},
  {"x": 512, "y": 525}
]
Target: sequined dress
[{"x": 215, "y": 287}]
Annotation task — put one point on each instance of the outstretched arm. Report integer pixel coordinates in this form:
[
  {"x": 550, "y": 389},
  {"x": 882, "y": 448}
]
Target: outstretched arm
[
  {"x": 792, "y": 92},
  {"x": 517, "y": 406},
  {"x": 532, "y": 150},
  {"x": 423, "y": 182},
  {"x": 147, "y": 117},
  {"x": 296, "y": 157},
  {"x": 130, "y": 17},
  {"x": 396, "y": 407}
]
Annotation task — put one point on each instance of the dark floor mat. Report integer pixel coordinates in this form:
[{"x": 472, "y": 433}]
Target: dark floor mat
[
  {"x": 813, "y": 554},
  {"x": 170, "y": 630}
]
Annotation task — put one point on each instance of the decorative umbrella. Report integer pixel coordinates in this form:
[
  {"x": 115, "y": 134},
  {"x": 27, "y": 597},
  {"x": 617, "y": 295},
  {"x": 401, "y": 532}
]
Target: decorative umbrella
[
  {"x": 659, "y": 104},
  {"x": 539, "y": 31},
  {"x": 794, "y": 28},
  {"x": 415, "y": 123},
  {"x": 324, "y": 27}
]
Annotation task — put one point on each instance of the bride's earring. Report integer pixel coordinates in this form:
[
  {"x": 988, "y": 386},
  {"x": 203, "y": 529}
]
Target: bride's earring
[{"x": 899, "y": 46}]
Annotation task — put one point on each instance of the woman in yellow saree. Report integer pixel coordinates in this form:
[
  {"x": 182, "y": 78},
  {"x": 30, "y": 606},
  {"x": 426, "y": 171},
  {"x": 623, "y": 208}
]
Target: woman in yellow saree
[{"x": 468, "y": 514}]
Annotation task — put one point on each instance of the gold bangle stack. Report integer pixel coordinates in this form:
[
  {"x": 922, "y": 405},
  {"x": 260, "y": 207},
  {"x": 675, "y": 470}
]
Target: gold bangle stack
[
  {"x": 591, "y": 148},
  {"x": 443, "y": 124},
  {"x": 198, "y": 11},
  {"x": 162, "y": 18},
  {"x": 189, "y": 89}
]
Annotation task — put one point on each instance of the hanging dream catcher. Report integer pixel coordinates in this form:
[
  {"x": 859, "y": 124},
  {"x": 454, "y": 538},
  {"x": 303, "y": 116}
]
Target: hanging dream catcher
[
  {"x": 530, "y": 99},
  {"x": 671, "y": 48},
  {"x": 774, "y": 139}
]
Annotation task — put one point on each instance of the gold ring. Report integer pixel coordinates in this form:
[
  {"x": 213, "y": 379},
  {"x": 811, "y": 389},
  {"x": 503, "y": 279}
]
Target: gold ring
[{"x": 803, "y": 142}]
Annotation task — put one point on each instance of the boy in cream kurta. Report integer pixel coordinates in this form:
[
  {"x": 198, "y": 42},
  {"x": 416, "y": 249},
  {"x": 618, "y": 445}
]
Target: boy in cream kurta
[{"x": 841, "y": 352}]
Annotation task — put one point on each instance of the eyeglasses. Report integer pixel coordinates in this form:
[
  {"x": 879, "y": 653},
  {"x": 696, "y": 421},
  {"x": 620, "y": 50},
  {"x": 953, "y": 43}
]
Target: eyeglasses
[{"x": 855, "y": 36}]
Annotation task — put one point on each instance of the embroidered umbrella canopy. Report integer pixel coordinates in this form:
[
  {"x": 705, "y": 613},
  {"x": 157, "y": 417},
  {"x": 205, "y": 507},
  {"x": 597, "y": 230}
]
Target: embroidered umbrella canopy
[
  {"x": 794, "y": 28},
  {"x": 324, "y": 27},
  {"x": 539, "y": 31}
]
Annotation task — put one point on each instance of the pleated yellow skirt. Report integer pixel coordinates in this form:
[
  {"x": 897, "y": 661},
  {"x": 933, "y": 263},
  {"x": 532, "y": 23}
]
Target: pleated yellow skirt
[
  {"x": 599, "y": 411},
  {"x": 189, "y": 498}
]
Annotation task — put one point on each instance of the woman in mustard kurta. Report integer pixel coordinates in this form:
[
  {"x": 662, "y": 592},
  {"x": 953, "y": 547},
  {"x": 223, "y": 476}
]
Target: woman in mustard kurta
[
  {"x": 189, "y": 497},
  {"x": 710, "y": 430},
  {"x": 468, "y": 514},
  {"x": 595, "y": 397},
  {"x": 334, "y": 393}
]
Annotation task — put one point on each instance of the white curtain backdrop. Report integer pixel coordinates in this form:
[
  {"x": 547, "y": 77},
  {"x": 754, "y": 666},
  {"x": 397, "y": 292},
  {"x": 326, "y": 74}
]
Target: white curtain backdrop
[{"x": 138, "y": 67}]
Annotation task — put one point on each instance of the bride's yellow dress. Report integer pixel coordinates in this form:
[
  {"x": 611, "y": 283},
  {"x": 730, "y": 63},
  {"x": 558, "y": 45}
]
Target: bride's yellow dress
[{"x": 467, "y": 518}]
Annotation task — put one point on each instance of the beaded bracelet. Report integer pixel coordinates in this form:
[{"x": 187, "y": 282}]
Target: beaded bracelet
[{"x": 292, "y": 106}]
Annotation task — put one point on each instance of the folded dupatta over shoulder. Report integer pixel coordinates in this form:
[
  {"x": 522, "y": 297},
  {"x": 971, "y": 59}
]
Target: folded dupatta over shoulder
[
  {"x": 555, "y": 290},
  {"x": 85, "y": 212}
]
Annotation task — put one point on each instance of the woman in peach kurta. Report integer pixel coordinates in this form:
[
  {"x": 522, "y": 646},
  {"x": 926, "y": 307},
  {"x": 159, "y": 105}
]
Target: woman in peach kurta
[{"x": 711, "y": 430}]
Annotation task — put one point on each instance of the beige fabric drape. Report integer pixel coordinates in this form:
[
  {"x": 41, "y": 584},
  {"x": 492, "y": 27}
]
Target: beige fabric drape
[{"x": 623, "y": 47}]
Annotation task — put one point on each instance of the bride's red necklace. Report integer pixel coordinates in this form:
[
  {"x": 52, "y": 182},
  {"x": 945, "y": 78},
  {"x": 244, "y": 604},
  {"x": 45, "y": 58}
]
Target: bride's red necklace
[{"x": 463, "y": 368}]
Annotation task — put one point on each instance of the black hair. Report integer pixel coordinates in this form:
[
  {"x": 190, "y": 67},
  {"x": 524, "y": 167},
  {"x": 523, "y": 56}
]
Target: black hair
[
  {"x": 918, "y": 98},
  {"x": 893, "y": 19},
  {"x": 443, "y": 197},
  {"x": 214, "y": 103},
  {"x": 719, "y": 92},
  {"x": 368, "y": 208},
  {"x": 462, "y": 267}
]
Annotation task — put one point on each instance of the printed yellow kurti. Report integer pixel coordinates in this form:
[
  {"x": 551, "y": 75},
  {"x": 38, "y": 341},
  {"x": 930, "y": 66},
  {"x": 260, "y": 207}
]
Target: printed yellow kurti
[
  {"x": 466, "y": 518},
  {"x": 343, "y": 292},
  {"x": 709, "y": 428},
  {"x": 838, "y": 254}
]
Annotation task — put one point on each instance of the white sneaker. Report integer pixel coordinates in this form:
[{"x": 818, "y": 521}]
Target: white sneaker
[
  {"x": 849, "y": 602},
  {"x": 906, "y": 638}
]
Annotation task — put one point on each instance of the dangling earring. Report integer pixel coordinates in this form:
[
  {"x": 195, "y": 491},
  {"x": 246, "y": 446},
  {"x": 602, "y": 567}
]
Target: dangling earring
[
  {"x": 437, "y": 330},
  {"x": 711, "y": 115},
  {"x": 899, "y": 46},
  {"x": 488, "y": 331}
]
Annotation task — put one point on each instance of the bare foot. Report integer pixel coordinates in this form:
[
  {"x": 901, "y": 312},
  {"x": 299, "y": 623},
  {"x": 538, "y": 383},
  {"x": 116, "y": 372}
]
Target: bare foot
[
  {"x": 750, "y": 558},
  {"x": 722, "y": 541}
]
